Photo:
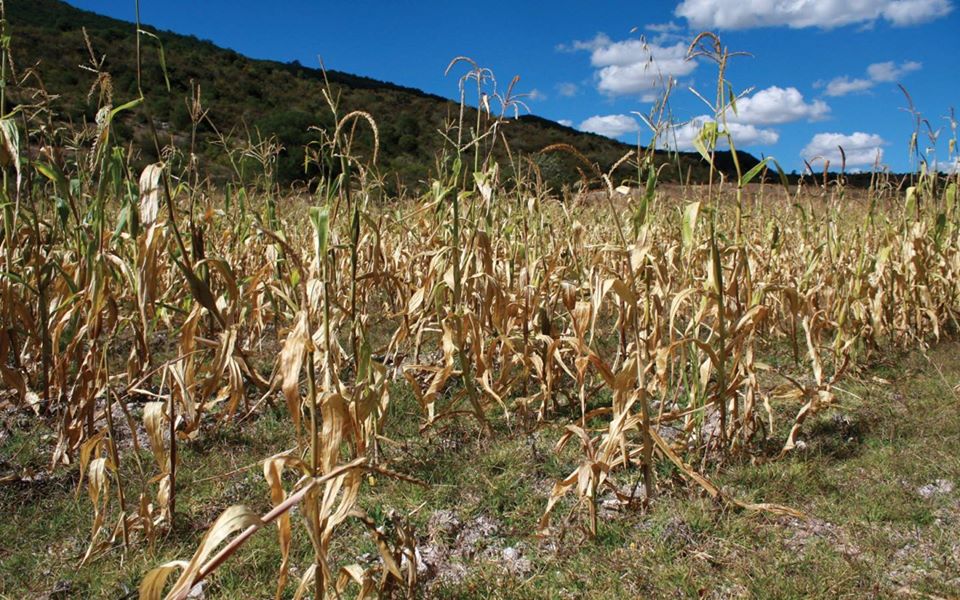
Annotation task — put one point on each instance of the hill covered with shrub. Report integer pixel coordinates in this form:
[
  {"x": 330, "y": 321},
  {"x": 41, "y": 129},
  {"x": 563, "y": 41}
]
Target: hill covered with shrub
[{"x": 257, "y": 99}]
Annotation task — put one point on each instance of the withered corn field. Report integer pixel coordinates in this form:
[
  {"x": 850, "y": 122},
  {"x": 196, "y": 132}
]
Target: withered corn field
[{"x": 146, "y": 310}]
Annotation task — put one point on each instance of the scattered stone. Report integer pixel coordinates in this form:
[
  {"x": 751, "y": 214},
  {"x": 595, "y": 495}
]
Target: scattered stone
[
  {"x": 805, "y": 532},
  {"x": 196, "y": 592},
  {"x": 727, "y": 591},
  {"x": 947, "y": 516},
  {"x": 614, "y": 503},
  {"x": 443, "y": 526},
  {"x": 938, "y": 487},
  {"x": 453, "y": 546},
  {"x": 477, "y": 536},
  {"x": 514, "y": 562}
]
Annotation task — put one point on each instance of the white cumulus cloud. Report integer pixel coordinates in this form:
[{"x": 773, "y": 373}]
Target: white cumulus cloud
[
  {"x": 770, "y": 106},
  {"x": 536, "y": 95},
  {"x": 912, "y": 12},
  {"x": 636, "y": 66},
  {"x": 670, "y": 27},
  {"x": 883, "y": 72},
  {"x": 610, "y": 125},
  {"x": 860, "y": 148},
  {"x": 567, "y": 89},
  {"x": 951, "y": 168},
  {"x": 681, "y": 136},
  {"x": 826, "y": 14},
  {"x": 889, "y": 71},
  {"x": 775, "y": 105},
  {"x": 841, "y": 86},
  {"x": 566, "y": 122}
]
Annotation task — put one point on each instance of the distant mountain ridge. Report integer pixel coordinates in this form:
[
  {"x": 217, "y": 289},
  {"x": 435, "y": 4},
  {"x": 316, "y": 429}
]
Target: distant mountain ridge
[{"x": 274, "y": 98}]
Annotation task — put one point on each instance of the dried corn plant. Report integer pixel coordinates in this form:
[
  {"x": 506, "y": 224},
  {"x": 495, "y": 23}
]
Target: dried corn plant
[{"x": 634, "y": 318}]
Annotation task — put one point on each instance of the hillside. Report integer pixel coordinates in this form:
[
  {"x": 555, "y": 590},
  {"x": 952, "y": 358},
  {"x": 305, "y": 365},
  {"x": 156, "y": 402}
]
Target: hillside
[{"x": 273, "y": 98}]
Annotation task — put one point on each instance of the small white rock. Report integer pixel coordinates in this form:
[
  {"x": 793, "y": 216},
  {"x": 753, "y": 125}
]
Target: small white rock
[
  {"x": 940, "y": 486},
  {"x": 196, "y": 592}
]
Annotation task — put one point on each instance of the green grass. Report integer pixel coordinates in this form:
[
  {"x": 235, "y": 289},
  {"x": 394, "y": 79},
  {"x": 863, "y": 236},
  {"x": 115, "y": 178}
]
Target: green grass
[{"x": 871, "y": 533}]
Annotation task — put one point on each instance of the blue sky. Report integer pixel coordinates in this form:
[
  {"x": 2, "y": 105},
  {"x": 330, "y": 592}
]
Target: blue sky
[{"x": 822, "y": 73}]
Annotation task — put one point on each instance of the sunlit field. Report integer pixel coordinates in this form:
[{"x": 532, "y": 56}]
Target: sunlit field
[{"x": 480, "y": 385}]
